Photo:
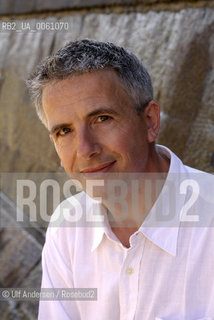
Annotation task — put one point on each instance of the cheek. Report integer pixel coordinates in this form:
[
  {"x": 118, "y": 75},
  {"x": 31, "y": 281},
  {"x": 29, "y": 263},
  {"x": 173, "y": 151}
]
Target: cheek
[
  {"x": 66, "y": 156},
  {"x": 116, "y": 144},
  {"x": 124, "y": 139},
  {"x": 132, "y": 146},
  {"x": 118, "y": 137}
]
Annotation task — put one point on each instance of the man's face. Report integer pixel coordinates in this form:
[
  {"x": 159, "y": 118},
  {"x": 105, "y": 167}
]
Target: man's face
[{"x": 94, "y": 125}]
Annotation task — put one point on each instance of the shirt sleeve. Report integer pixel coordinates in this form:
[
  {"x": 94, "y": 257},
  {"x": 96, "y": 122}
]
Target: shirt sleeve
[{"x": 56, "y": 273}]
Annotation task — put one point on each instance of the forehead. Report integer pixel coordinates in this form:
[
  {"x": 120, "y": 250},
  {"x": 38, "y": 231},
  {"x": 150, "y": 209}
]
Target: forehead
[
  {"x": 84, "y": 92},
  {"x": 103, "y": 82}
]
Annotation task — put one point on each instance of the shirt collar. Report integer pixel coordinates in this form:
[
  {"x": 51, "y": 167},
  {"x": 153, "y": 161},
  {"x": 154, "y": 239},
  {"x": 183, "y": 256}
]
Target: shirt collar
[
  {"x": 162, "y": 233},
  {"x": 102, "y": 228}
]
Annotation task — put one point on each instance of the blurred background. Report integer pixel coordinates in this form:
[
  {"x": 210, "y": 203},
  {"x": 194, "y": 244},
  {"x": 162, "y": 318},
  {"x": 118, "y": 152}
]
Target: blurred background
[{"x": 174, "y": 39}]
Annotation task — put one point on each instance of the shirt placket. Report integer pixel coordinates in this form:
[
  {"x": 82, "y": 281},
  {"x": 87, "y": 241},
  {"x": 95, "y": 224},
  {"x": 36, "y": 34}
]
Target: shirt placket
[{"x": 129, "y": 278}]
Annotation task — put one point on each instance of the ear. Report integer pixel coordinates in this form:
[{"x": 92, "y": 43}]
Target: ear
[{"x": 152, "y": 118}]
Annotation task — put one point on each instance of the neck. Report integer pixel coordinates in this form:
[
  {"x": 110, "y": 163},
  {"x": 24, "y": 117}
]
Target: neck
[{"x": 128, "y": 210}]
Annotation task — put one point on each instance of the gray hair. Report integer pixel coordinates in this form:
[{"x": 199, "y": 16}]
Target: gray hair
[{"x": 86, "y": 55}]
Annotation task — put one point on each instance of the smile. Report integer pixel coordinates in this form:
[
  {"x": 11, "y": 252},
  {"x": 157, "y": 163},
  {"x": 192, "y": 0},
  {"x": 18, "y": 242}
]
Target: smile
[{"x": 101, "y": 168}]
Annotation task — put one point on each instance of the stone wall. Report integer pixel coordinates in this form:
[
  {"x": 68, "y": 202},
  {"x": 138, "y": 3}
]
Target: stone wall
[
  {"x": 14, "y": 7},
  {"x": 177, "y": 48},
  {"x": 175, "y": 40},
  {"x": 20, "y": 262}
]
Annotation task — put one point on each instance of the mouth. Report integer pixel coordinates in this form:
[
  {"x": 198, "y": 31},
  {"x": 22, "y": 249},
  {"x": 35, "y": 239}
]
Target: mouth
[{"x": 104, "y": 167}]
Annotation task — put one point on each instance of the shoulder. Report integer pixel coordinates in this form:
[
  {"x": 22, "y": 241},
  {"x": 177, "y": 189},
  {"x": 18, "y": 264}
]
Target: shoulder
[
  {"x": 197, "y": 190},
  {"x": 65, "y": 217},
  {"x": 69, "y": 222},
  {"x": 202, "y": 181}
]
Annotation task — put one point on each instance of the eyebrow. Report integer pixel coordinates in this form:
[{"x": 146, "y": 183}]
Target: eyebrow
[{"x": 91, "y": 114}]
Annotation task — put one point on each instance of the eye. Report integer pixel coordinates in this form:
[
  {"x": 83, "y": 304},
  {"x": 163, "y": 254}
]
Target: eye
[
  {"x": 63, "y": 131},
  {"x": 102, "y": 118}
]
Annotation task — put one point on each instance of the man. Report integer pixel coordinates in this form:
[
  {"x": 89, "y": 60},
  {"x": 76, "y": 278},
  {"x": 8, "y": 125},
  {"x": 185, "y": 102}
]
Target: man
[{"x": 96, "y": 100}]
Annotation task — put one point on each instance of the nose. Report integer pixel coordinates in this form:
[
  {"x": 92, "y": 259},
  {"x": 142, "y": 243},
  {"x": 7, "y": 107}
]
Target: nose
[{"x": 87, "y": 144}]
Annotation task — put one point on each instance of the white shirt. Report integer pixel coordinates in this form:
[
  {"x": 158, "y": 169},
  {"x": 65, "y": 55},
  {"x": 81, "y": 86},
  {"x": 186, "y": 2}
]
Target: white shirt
[{"x": 167, "y": 273}]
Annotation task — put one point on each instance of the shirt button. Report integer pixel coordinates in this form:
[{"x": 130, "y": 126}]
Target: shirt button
[{"x": 129, "y": 271}]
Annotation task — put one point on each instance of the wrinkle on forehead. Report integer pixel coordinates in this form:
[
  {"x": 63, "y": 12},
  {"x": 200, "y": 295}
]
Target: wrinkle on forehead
[
  {"x": 84, "y": 93},
  {"x": 107, "y": 79}
]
